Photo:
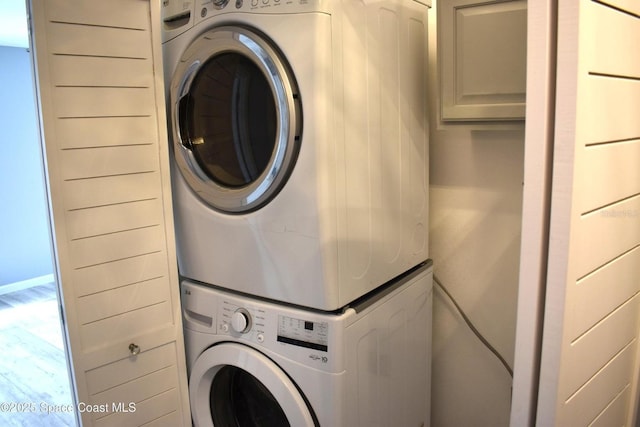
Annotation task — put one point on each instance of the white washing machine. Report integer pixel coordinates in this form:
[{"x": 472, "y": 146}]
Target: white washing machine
[
  {"x": 299, "y": 134},
  {"x": 256, "y": 363}
]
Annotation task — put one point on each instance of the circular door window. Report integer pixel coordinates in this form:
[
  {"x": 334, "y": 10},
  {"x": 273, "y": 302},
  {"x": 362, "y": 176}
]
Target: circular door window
[
  {"x": 232, "y": 385},
  {"x": 236, "y": 119}
]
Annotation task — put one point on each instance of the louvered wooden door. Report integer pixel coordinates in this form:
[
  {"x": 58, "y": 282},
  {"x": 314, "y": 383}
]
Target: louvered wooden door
[
  {"x": 101, "y": 92},
  {"x": 590, "y": 370}
]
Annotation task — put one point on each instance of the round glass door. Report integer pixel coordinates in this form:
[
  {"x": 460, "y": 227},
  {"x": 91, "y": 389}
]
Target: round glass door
[
  {"x": 232, "y": 385},
  {"x": 236, "y": 119},
  {"x": 238, "y": 399}
]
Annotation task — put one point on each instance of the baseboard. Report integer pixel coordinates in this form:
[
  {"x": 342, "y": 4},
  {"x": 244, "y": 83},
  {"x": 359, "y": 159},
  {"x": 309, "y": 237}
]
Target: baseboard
[{"x": 26, "y": 284}]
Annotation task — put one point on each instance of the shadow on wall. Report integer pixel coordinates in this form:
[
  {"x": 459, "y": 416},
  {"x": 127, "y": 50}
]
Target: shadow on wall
[{"x": 476, "y": 212}]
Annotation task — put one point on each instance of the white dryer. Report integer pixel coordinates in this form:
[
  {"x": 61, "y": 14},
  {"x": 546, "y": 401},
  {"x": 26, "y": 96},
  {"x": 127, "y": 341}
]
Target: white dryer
[
  {"x": 299, "y": 134},
  {"x": 255, "y": 363}
]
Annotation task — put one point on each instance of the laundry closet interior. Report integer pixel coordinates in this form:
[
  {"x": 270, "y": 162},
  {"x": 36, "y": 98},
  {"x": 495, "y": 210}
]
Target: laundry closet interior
[{"x": 283, "y": 211}]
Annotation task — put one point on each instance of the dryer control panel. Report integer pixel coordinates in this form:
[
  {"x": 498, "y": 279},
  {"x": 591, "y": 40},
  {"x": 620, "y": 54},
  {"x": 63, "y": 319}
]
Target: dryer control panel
[{"x": 205, "y": 9}]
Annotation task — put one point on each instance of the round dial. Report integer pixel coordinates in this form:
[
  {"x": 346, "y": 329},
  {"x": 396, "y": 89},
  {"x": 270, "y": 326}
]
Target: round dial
[{"x": 241, "y": 321}]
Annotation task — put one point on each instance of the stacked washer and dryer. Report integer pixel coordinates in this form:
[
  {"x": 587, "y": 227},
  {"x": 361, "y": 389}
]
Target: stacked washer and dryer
[{"x": 300, "y": 185}]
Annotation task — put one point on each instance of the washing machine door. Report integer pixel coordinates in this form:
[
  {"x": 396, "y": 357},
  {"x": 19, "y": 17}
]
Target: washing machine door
[
  {"x": 236, "y": 118},
  {"x": 232, "y": 385}
]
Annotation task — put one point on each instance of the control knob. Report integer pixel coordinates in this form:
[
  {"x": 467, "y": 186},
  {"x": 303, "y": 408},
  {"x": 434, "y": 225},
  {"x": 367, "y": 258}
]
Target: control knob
[{"x": 241, "y": 321}]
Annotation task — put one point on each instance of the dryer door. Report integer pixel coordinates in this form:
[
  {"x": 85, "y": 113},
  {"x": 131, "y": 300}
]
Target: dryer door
[
  {"x": 236, "y": 118},
  {"x": 234, "y": 385}
]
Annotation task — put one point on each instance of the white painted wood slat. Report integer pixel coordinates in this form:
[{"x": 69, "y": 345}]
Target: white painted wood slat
[
  {"x": 605, "y": 234},
  {"x": 95, "y": 307},
  {"x": 88, "y": 40},
  {"x": 79, "y": 102},
  {"x": 88, "y": 193},
  {"x": 612, "y": 174},
  {"x": 613, "y": 109},
  {"x": 110, "y": 247},
  {"x": 614, "y": 414},
  {"x": 113, "y": 13},
  {"x": 631, "y": 6},
  {"x": 122, "y": 131},
  {"x": 114, "y": 218},
  {"x": 121, "y": 272},
  {"x": 610, "y": 28},
  {"x": 597, "y": 295},
  {"x": 108, "y": 161},
  {"x": 170, "y": 420},
  {"x": 67, "y": 70}
]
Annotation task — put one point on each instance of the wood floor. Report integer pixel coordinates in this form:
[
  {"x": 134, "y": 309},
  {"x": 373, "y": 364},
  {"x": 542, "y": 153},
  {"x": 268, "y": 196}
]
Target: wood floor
[{"x": 33, "y": 369}]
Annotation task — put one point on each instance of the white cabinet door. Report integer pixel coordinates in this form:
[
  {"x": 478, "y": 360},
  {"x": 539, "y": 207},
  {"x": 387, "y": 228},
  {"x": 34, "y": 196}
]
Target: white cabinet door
[
  {"x": 482, "y": 48},
  {"x": 101, "y": 92}
]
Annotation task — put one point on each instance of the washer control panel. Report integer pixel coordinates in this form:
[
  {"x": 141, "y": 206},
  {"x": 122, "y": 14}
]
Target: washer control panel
[
  {"x": 245, "y": 321},
  {"x": 308, "y": 337},
  {"x": 303, "y": 333}
]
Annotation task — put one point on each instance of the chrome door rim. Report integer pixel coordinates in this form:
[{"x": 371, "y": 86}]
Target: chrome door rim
[{"x": 254, "y": 46}]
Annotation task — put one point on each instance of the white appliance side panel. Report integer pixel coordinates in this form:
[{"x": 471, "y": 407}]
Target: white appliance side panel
[
  {"x": 382, "y": 155},
  {"x": 388, "y": 357}
]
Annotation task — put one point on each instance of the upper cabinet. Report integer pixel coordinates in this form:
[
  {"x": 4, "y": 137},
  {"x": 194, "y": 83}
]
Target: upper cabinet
[{"x": 482, "y": 56}]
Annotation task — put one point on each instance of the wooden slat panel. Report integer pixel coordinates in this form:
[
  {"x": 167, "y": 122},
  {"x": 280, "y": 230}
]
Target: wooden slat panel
[
  {"x": 114, "y": 218},
  {"x": 607, "y": 233},
  {"x": 107, "y": 13},
  {"x": 594, "y": 397},
  {"x": 110, "y": 247},
  {"x": 613, "y": 109},
  {"x": 146, "y": 411},
  {"x": 631, "y": 6},
  {"x": 118, "y": 273},
  {"x": 616, "y": 413},
  {"x": 99, "y": 71},
  {"x": 101, "y": 86},
  {"x": 600, "y": 293},
  {"x": 86, "y": 40},
  {"x": 124, "y": 326},
  {"x": 108, "y": 161},
  {"x": 79, "y": 102},
  {"x": 109, "y": 190},
  {"x": 613, "y": 32},
  {"x": 110, "y": 303},
  {"x": 612, "y": 173},
  {"x": 82, "y": 133},
  {"x": 595, "y": 349}
]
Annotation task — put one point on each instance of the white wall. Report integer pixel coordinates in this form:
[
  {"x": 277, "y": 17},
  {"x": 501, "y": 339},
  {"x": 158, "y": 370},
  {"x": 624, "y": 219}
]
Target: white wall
[
  {"x": 476, "y": 197},
  {"x": 25, "y": 248}
]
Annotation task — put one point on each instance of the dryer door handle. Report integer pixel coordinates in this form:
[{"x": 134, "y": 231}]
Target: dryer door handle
[{"x": 181, "y": 118}]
